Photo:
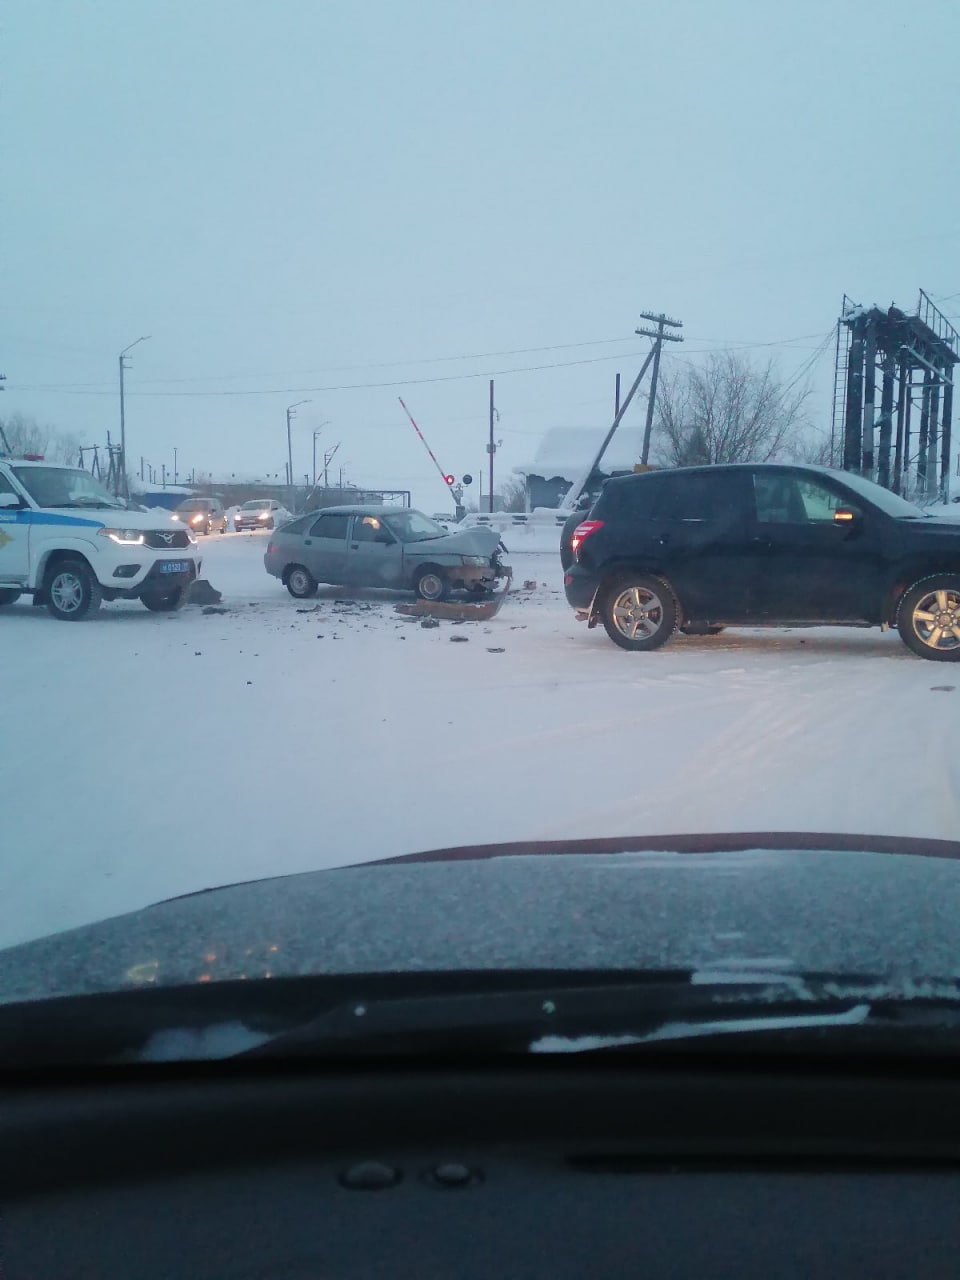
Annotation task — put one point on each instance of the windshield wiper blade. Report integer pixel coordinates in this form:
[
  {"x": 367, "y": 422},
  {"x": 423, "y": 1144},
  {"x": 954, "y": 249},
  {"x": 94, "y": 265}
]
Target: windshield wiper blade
[
  {"x": 577, "y": 1018},
  {"x": 480, "y": 1012}
]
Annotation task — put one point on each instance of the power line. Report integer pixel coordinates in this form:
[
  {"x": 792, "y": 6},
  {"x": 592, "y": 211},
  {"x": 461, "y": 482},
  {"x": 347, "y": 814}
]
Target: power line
[{"x": 80, "y": 389}]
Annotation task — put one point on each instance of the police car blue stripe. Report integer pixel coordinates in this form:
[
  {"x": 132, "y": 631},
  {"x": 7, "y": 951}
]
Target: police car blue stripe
[{"x": 48, "y": 517}]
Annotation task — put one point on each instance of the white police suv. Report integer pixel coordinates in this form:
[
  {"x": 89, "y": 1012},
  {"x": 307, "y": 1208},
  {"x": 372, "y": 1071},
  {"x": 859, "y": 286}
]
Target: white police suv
[{"x": 71, "y": 544}]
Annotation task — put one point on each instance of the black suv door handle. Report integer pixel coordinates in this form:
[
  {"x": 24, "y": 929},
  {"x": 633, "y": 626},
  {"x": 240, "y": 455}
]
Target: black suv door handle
[
  {"x": 663, "y": 539},
  {"x": 765, "y": 543}
]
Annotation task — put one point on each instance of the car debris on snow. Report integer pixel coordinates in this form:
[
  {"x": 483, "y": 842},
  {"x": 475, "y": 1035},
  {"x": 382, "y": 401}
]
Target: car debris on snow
[{"x": 201, "y": 592}]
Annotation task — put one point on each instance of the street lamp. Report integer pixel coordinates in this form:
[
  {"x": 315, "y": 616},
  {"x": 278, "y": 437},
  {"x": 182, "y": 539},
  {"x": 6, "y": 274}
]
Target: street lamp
[
  {"x": 123, "y": 424},
  {"x": 290, "y": 409}
]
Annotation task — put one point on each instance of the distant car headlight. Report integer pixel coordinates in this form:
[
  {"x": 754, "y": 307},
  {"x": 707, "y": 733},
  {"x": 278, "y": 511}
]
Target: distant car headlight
[
  {"x": 125, "y": 537},
  {"x": 478, "y": 561},
  {"x": 264, "y": 515},
  {"x": 197, "y": 520}
]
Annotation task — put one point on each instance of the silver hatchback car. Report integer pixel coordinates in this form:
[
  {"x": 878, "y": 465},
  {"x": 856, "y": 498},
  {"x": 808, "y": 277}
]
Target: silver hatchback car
[{"x": 382, "y": 547}]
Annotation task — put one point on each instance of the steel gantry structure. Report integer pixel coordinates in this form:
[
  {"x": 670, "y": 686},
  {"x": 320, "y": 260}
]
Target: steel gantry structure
[{"x": 903, "y": 441}]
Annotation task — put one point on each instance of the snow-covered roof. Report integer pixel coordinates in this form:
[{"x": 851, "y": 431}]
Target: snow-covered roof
[{"x": 565, "y": 451}]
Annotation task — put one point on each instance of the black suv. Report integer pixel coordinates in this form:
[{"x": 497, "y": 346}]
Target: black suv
[{"x": 764, "y": 545}]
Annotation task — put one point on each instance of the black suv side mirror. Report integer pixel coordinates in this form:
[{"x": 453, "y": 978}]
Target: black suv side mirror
[{"x": 846, "y": 516}]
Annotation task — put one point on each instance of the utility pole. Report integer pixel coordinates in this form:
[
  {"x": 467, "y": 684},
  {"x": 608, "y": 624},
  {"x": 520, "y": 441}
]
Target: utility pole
[
  {"x": 327, "y": 459},
  {"x": 569, "y": 500},
  {"x": 659, "y": 336},
  {"x": 616, "y": 397},
  {"x": 120, "y": 480},
  {"x": 174, "y": 464},
  {"x": 290, "y": 415},
  {"x": 491, "y": 446},
  {"x": 313, "y": 474}
]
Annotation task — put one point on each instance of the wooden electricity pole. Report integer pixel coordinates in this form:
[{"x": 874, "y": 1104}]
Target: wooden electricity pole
[
  {"x": 659, "y": 336},
  {"x": 569, "y": 500}
]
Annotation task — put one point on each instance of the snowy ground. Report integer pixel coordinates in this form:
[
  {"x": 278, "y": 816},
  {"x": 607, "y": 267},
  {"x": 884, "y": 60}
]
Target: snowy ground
[{"x": 149, "y": 755}]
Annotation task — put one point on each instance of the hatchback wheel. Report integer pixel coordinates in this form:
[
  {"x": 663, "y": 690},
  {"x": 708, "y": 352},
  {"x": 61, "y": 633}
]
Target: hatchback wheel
[
  {"x": 301, "y": 583},
  {"x": 8, "y": 596},
  {"x": 72, "y": 591},
  {"x": 430, "y": 585},
  {"x": 638, "y": 612},
  {"x": 928, "y": 618}
]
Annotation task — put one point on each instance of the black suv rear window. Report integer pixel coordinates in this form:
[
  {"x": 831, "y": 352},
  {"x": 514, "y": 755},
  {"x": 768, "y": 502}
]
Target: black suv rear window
[
  {"x": 693, "y": 495},
  {"x": 699, "y": 495}
]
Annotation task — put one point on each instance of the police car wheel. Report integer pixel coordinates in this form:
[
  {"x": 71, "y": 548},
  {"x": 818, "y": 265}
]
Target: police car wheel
[{"x": 71, "y": 591}]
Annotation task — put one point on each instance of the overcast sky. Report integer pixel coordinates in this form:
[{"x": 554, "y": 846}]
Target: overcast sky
[{"x": 295, "y": 197}]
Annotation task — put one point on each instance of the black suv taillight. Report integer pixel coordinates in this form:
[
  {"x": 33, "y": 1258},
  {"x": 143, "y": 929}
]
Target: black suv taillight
[{"x": 582, "y": 532}]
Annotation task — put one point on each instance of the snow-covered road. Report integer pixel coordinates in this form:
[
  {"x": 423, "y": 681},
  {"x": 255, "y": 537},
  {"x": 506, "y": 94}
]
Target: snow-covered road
[{"x": 147, "y": 755}]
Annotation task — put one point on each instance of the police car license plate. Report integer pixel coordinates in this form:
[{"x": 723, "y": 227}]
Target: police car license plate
[{"x": 174, "y": 566}]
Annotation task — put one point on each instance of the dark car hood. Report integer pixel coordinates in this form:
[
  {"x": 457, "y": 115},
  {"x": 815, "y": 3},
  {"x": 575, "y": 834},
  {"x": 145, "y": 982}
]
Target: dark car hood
[
  {"x": 745, "y": 907},
  {"x": 933, "y": 527}
]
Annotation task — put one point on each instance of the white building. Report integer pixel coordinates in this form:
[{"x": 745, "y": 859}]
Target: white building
[{"x": 565, "y": 451}]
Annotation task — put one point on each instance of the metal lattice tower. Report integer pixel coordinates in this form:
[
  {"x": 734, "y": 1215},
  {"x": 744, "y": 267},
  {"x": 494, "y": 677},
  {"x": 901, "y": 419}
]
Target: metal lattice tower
[{"x": 910, "y": 356}]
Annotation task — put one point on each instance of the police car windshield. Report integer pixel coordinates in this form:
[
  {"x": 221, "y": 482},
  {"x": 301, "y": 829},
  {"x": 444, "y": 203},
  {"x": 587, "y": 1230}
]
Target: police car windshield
[{"x": 65, "y": 487}]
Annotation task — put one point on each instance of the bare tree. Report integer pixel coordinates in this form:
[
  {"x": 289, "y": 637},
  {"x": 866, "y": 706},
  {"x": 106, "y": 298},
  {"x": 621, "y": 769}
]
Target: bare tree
[
  {"x": 513, "y": 496},
  {"x": 726, "y": 411},
  {"x": 26, "y": 435},
  {"x": 814, "y": 447}
]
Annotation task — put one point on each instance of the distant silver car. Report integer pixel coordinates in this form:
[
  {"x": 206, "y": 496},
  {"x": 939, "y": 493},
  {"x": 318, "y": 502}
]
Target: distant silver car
[
  {"x": 260, "y": 513},
  {"x": 382, "y": 547}
]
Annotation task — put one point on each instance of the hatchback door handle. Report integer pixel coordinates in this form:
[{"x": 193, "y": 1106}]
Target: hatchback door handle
[
  {"x": 354, "y": 546},
  {"x": 307, "y": 542}
]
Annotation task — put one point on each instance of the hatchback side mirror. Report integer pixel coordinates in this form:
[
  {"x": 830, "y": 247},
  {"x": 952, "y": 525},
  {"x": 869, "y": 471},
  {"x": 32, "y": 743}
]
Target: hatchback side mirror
[{"x": 10, "y": 502}]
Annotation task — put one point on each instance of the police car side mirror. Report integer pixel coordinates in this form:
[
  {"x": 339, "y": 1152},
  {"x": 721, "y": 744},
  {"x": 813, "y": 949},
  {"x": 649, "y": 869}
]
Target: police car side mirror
[{"x": 10, "y": 502}]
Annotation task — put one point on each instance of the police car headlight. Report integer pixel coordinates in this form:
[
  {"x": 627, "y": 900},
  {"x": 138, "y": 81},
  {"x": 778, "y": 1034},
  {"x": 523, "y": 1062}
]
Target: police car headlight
[{"x": 125, "y": 537}]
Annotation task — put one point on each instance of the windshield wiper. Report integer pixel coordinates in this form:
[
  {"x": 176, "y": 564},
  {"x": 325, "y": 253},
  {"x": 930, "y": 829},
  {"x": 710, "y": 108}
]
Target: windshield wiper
[
  {"x": 618, "y": 1016},
  {"x": 414, "y": 1015}
]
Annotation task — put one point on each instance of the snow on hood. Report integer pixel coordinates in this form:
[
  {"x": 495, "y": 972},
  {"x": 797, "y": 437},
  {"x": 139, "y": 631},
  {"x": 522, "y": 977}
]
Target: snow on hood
[
  {"x": 123, "y": 518},
  {"x": 767, "y": 913}
]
